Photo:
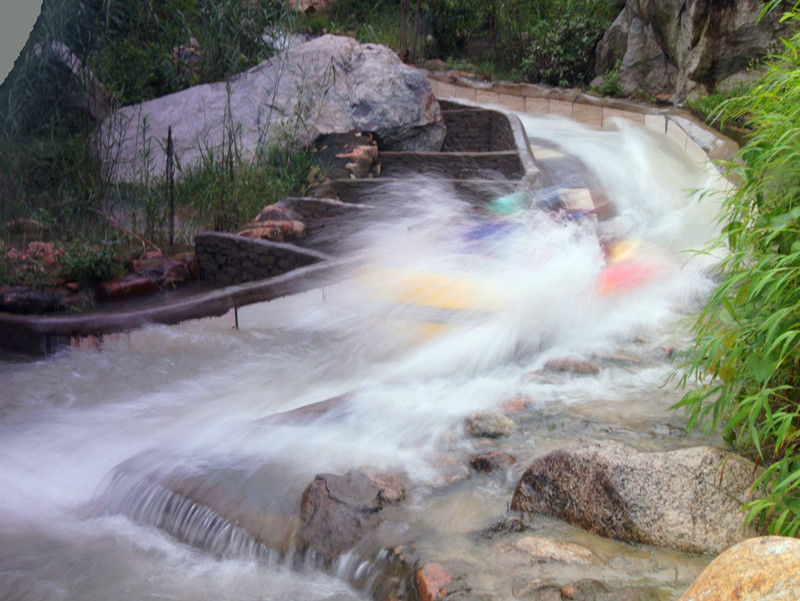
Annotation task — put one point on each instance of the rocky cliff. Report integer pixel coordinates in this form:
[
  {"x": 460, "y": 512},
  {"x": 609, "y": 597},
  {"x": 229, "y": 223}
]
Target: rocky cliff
[{"x": 686, "y": 47}]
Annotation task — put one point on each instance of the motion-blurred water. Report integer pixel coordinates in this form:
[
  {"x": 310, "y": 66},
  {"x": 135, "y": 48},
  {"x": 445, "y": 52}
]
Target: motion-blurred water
[{"x": 195, "y": 394}]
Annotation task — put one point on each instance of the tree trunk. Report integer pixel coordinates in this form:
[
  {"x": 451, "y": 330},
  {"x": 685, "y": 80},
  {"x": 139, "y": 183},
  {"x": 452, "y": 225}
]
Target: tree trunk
[
  {"x": 417, "y": 15},
  {"x": 404, "y": 30}
]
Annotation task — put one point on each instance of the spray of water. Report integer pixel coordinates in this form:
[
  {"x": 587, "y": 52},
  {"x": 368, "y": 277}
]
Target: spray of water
[{"x": 442, "y": 310}]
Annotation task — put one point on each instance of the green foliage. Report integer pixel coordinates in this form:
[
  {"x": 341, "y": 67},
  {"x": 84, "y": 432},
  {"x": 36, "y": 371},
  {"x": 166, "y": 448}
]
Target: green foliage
[
  {"x": 611, "y": 85},
  {"x": 562, "y": 46},
  {"x": 139, "y": 50},
  {"x": 83, "y": 261},
  {"x": 32, "y": 273},
  {"x": 224, "y": 193},
  {"x": 551, "y": 41},
  {"x": 88, "y": 263},
  {"x": 150, "y": 52},
  {"x": 744, "y": 371}
]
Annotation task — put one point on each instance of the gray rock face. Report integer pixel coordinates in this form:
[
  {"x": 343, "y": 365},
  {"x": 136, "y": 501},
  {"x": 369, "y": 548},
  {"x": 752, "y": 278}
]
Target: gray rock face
[
  {"x": 328, "y": 85},
  {"x": 688, "y": 500},
  {"x": 683, "y": 47},
  {"x": 337, "y": 512},
  {"x": 489, "y": 423}
]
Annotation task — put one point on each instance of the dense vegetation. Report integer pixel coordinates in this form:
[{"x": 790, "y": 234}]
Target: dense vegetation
[
  {"x": 744, "y": 371},
  {"x": 542, "y": 41},
  {"x": 52, "y": 186}
]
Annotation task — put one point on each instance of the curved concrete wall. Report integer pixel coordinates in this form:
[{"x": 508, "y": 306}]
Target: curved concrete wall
[{"x": 697, "y": 139}]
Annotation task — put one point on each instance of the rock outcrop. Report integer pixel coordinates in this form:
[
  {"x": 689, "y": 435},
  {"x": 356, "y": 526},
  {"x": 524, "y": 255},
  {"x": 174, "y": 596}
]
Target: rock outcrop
[
  {"x": 337, "y": 512},
  {"x": 685, "y": 47},
  {"x": 331, "y": 84},
  {"x": 758, "y": 569},
  {"x": 688, "y": 500}
]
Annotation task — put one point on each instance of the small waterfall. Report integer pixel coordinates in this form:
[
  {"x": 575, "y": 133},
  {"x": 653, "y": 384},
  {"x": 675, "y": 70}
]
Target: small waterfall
[
  {"x": 153, "y": 503},
  {"x": 222, "y": 406}
]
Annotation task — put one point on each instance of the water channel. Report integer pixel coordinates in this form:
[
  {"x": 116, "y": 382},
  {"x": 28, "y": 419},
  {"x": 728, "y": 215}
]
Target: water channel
[{"x": 193, "y": 398}]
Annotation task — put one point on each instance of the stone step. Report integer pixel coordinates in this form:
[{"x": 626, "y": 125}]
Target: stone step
[
  {"x": 473, "y": 191},
  {"x": 461, "y": 165}
]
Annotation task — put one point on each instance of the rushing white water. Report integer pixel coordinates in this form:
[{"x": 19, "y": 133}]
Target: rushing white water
[{"x": 193, "y": 397}]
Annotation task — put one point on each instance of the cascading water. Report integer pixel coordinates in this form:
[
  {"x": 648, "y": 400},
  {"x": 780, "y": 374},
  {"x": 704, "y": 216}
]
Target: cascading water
[{"x": 89, "y": 439}]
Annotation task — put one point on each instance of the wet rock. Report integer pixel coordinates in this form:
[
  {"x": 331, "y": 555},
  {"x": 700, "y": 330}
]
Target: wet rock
[
  {"x": 151, "y": 267},
  {"x": 491, "y": 461},
  {"x": 758, "y": 569},
  {"x": 24, "y": 300},
  {"x": 275, "y": 212},
  {"x": 517, "y": 404},
  {"x": 538, "y": 589},
  {"x": 688, "y": 500},
  {"x": 177, "y": 271},
  {"x": 450, "y": 470},
  {"x": 276, "y": 231},
  {"x": 70, "y": 297},
  {"x": 546, "y": 589},
  {"x": 431, "y": 582},
  {"x": 391, "y": 488},
  {"x": 572, "y": 366},
  {"x": 594, "y": 590},
  {"x": 130, "y": 285},
  {"x": 505, "y": 526},
  {"x": 489, "y": 423},
  {"x": 537, "y": 376},
  {"x": 543, "y": 548},
  {"x": 337, "y": 512},
  {"x": 620, "y": 359}
]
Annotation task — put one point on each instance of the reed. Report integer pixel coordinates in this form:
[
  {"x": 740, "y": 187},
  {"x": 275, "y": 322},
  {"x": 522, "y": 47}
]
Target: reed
[{"x": 743, "y": 374}]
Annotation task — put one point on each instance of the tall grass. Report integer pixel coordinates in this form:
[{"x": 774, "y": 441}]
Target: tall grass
[
  {"x": 744, "y": 372},
  {"x": 50, "y": 173}
]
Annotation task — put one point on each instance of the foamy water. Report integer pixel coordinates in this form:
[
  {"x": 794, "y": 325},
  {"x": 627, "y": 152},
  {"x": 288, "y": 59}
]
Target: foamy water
[{"x": 193, "y": 396}]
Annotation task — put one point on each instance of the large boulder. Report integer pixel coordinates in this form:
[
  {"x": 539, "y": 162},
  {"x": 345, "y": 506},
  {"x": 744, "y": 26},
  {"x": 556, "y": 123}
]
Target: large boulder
[
  {"x": 685, "y": 47},
  {"x": 759, "y": 569},
  {"x": 338, "y": 512},
  {"x": 331, "y": 84},
  {"x": 688, "y": 500}
]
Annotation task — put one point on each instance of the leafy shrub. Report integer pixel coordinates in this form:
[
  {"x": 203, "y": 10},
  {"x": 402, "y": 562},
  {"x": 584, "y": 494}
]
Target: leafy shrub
[
  {"x": 90, "y": 263},
  {"x": 562, "y": 46},
  {"x": 540, "y": 40},
  {"x": 744, "y": 372},
  {"x": 611, "y": 85},
  {"x": 32, "y": 273}
]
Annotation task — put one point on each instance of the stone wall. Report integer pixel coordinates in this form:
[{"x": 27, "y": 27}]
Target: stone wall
[
  {"x": 464, "y": 165},
  {"x": 477, "y": 130},
  {"x": 319, "y": 214},
  {"x": 230, "y": 259},
  {"x": 697, "y": 139}
]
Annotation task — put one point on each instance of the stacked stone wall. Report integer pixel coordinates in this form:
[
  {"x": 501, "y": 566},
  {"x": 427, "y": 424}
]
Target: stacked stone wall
[{"x": 230, "y": 259}]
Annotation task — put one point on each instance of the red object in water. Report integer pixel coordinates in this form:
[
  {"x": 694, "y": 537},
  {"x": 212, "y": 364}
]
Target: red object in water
[{"x": 625, "y": 276}]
